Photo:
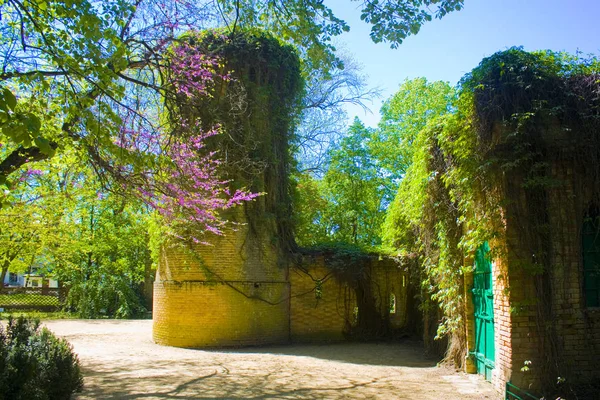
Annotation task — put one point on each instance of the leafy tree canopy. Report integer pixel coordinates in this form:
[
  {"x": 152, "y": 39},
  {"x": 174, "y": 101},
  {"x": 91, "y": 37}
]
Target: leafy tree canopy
[
  {"x": 347, "y": 204},
  {"x": 76, "y": 72},
  {"x": 403, "y": 116},
  {"x": 393, "y": 20}
]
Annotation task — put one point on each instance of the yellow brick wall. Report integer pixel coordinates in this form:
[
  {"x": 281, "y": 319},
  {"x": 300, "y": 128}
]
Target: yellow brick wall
[
  {"x": 198, "y": 314},
  {"x": 238, "y": 255},
  {"x": 327, "y": 318},
  {"x": 229, "y": 293},
  {"x": 233, "y": 292},
  {"x": 313, "y": 319},
  {"x": 387, "y": 277}
]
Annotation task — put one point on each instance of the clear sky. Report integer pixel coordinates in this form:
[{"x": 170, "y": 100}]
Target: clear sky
[{"x": 446, "y": 49}]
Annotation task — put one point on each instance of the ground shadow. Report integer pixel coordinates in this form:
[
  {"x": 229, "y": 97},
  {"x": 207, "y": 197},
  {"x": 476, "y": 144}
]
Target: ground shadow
[
  {"x": 210, "y": 382},
  {"x": 407, "y": 353}
]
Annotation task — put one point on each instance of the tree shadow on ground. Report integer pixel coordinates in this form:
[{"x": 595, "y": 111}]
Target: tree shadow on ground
[
  {"x": 156, "y": 381},
  {"x": 408, "y": 353}
]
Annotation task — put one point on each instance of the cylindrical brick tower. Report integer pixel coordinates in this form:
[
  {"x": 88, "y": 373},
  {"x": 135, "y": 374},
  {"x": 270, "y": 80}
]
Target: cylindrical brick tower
[{"x": 236, "y": 290}]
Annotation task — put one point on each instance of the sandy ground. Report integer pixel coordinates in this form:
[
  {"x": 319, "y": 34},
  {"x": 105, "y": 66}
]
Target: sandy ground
[{"x": 120, "y": 361}]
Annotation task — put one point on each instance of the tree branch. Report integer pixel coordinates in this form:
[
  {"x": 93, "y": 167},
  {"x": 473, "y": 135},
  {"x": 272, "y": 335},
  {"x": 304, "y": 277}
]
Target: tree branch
[{"x": 20, "y": 157}]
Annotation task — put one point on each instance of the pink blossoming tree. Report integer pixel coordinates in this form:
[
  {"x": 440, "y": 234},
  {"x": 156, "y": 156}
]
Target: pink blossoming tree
[{"x": 187, "y": 190}]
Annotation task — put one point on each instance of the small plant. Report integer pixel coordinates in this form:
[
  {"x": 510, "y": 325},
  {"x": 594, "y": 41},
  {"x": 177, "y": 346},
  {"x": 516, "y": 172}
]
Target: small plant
[
  {"x": 525, "y": 367},
  {"x": 35, "y": 364}
]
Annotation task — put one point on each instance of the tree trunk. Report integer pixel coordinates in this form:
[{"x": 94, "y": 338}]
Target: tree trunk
[
  {"x": 3, "y": 275},
  {"x": 148, "y": 284}
]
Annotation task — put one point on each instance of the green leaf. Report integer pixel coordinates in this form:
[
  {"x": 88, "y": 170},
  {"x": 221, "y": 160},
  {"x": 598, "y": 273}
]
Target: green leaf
[
  {"x": 9, "y": 99},
  {"x": 33, "y": 123},
  {"x": 44, "y": 145}
]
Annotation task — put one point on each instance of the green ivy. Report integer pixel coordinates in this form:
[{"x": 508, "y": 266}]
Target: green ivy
[{"x": 451, "y": 197}]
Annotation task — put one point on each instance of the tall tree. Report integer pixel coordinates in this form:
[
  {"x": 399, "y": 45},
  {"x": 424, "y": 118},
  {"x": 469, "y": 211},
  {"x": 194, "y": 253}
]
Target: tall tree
[
  {"x": 323, "y": 119},
  {"x": 403, "y": 116},
  {"x": 63, "y": 223},
  {"x": 347, "y": 204}
]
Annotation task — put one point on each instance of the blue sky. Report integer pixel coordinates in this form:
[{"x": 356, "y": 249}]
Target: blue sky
[{"x": 447, "y": 49}]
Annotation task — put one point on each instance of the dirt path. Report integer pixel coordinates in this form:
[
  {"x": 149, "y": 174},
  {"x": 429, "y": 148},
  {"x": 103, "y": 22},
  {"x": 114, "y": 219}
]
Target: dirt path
[{"x": 120, "y": 361}]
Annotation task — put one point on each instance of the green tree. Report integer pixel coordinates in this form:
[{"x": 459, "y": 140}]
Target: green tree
[
  {"x": 63, "y": 223},
  {"x": 403, "y": 116},
  {"x": 20, "y": 232},
  {"x": 97, "y": 66},
  {"x": 311, "y": 210},
  {"x": 347, "y": 204},
  {"x": 311, "y": 25},
  {"x": 393, "y": 20}
]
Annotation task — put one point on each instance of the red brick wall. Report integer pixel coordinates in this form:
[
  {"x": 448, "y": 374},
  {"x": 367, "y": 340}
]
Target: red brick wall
[{"x": 578, "y": 327}]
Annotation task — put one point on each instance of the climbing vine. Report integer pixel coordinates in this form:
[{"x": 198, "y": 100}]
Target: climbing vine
[
  {"x": 516, "y": 112},
  {"x": 256, "y": 107}
]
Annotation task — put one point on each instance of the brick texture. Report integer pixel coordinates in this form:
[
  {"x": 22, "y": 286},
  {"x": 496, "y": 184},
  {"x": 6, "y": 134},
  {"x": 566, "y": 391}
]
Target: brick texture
[
  {"x": 518, "y": 324},
  {"x": 331, "y": 316},
  {"x": 206, "y": 299}
]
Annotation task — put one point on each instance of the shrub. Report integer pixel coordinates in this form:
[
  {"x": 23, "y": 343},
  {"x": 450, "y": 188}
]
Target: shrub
[{"x": 35, "y": 364}]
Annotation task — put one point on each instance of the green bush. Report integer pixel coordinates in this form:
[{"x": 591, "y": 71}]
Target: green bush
[
  {"x": 35, "y": 364},
  {"x": 98, "y": 296}
]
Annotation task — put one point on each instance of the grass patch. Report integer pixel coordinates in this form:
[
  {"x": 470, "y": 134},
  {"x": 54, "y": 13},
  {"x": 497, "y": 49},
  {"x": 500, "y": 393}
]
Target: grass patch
[{"x": 41, "y": 315}]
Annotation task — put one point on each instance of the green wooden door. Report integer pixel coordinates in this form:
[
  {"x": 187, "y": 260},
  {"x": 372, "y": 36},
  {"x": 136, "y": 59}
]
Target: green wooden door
[{"x": 483, "y": 298}]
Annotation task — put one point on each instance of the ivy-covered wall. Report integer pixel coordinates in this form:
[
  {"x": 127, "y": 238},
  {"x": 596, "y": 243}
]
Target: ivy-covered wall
[
  {"x": 517, "y": 165},
  {"x": 252, "y": 285},
  {"x": 235, "y": 290}
]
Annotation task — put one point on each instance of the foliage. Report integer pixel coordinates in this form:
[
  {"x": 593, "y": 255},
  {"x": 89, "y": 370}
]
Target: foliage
[
  {"x": 256, "y": 107},
  {"x": 348, "y": 262},
  {"x": 81, "y": 73},
  {"x": 28, "y": 300},
  {"x": 347, "y": 204},
  {"x": 323, "y": 120},
  {"x": 103, "y": 255},
  {"x": 365, "y": 168},
  {"x": 403, "y": 116},
  {"x": 356, "y": 189},
  {"x": 451, "y": 198},
  {"x": 41, "y": 315},
  {"x": 63, "y": 224},
  {"x": 96, "y": 72},
  {"x": 35, "y": 364},
  {"x": 394, "y": 21},
  {"x": 311, "y": 25},
  {"x": 310, "y": 210}
]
